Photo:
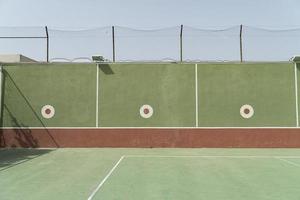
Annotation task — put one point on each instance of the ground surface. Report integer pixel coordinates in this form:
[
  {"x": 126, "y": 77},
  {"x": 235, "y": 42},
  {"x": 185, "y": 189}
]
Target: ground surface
[{"x": 149, "y": 174}]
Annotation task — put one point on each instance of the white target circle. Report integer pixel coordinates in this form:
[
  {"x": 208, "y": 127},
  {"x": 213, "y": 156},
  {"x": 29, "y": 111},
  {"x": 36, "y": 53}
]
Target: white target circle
[
  {"x": 246, "y": 111},
  {"x": 48, "y": 111},
  {"x": 146, "y": 111}
]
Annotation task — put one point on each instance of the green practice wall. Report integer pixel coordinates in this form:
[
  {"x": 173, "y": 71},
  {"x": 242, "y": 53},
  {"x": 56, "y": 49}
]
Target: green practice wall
[
  {"x": 70, "y": 89},
  {"x": 268, "y": 88},
  {"x": 170, "y": 89}
]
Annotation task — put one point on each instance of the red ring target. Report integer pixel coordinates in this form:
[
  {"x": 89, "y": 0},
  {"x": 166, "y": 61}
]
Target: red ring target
[
  {"x": 146, "y": 111},
  {"x": 48, "y": 111},
  {"x": 246, "y": 111}
]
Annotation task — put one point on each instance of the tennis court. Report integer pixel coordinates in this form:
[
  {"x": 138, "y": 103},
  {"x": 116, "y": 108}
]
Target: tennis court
[
  {"x": 120, "y": 105},
  {"x": 149, "y": 173}
]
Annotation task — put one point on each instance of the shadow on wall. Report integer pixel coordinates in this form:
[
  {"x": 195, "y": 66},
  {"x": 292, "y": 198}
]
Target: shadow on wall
[
  {"x": 2, "y": 139},
  {"x": 13, "y": 157},
  {"x": 106, "y": 69},
  {"x": 15, "y": 106},
  {"x": 23, "y": 133}
]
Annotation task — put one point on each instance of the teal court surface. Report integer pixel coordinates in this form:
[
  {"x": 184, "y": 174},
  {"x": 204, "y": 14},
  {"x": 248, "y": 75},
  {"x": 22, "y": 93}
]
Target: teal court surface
[{"x": 136, "y": 174}]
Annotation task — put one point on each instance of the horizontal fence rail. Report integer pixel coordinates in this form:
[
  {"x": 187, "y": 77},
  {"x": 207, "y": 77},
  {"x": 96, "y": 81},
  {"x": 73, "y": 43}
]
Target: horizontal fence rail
[{"x": 173, "y": 44}]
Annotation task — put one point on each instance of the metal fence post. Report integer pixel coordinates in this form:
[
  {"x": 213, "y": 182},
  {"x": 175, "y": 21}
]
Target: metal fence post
[
  {"x": 241, "y": 43},
  {"x": 47, "y": 38},
  {"x": 181, "y": 30},
  {"x": 113, "y": 43},
  {"x": 1, "y": 99}
]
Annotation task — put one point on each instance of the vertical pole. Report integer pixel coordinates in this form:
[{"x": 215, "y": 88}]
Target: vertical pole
[
  {"x": 196, "y": 96},
  {"x": 97, "y": 96},
  {"x": 1, "y": 96},
  {"x": 241, "y": 43},
  {"x": 113, "y": 42},
  {"x": 296, "y": 93},
  {"x": 2, "y": 139},
  {"x": 181, "y": 30},
  {"x": 2, "y": 90},
  {"x": 47, "y": 37}
]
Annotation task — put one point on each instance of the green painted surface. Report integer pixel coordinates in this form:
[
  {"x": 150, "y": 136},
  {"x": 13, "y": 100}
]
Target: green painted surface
[
  {"x": 70, "y": 89},
  {"x": 75, "y": 173},
  {"x": 268, "y": 88},
  {"x": 297, "y": 70},
  {"x": 168, "y": 88}
]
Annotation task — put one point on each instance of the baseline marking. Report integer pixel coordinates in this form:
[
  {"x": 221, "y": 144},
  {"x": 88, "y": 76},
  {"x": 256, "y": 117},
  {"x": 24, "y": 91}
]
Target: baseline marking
[
  {"x": 208, "y": 156},
  {"x": 148, "y": 127},
  {"x": 196, "y": 93},
  {"x": 296, "y": 94},
  {"x": 97, "y": 96},
  {"x": 287, "y": 161},
  {"x": 105, "y": 178}
]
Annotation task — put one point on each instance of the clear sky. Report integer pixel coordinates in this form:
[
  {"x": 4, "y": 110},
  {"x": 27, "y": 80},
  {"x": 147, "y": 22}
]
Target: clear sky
[{"x": 150, "y": 14}]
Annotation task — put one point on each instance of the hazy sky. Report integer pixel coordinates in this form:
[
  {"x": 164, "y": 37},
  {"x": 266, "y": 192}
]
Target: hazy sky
[
  {"x": 153, "y": 14},
  {"x": 150, "y": 13}
]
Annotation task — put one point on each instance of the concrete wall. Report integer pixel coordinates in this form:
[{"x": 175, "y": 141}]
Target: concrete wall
[{"x": 181, "y": 95}]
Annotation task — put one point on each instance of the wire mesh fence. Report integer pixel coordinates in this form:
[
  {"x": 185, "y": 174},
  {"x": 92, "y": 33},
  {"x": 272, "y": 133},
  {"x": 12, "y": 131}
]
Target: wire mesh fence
[
  {"x": 31, "y": 41},
  {"x": 178, "y": 44}
]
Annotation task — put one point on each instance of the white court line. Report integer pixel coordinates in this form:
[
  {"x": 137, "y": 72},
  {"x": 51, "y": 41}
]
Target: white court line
[
  {"x": 97, "y": 96},
  {"x": 196, "y": 93},
  {"x": 154, "y": 127},
  {"x": 287, "y": 161},
  {"x": 187, "y": 156},
  {"x": 296, "y": 94},
  {"x": 207, "y": 156},
  {"x": 105, "y": 178}
]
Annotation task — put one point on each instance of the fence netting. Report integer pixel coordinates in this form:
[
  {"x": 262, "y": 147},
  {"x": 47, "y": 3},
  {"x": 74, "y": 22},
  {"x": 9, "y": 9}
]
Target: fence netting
[
  {"x": 179, "y": 43},
  {"x": 211, "y": 45},
  {"x": 29, "y": 41},
  {"x": 141, "y": 45},
  {"x": 270, "y": 45},
  {"x": 80, "y": 45}
]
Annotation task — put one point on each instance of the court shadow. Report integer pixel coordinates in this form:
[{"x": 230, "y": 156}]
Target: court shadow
[
  {"x": 106, "y": 69},
  {"x": 23, "y": 133},
  {"x": 12, "y": 157},
  {"x": 2, "y": 139}
]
